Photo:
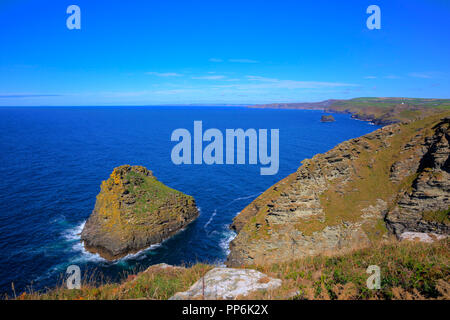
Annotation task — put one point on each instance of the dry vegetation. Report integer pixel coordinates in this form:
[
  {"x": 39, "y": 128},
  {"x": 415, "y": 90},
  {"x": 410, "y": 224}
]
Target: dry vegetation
[
  {"x": 408, "y": 271},
  {"x": 155, "y": 283}
]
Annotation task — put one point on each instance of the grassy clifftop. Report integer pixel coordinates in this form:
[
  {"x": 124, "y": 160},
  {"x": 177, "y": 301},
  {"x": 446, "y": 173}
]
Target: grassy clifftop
[
  {"x": 408, "y": 271},
  {"x": 378, "y": 110}
]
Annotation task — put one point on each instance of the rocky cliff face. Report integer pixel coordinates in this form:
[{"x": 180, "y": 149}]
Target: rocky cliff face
[
  {"x": 133, "y": 211},
  {"x": 425, "y": 206},
  {"x": 394, "y": 179}
]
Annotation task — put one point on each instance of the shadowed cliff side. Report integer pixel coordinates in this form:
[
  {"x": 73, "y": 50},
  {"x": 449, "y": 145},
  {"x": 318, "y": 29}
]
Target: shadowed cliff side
[
  {"x": 395, "y": 178},
  {"x": 133, "y": 211}
]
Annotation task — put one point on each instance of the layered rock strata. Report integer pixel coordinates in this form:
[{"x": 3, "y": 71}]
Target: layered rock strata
[{"x": 391, "y": 181}]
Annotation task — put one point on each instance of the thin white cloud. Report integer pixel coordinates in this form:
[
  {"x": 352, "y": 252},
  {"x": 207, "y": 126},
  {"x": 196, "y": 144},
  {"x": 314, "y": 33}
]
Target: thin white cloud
[
  {"x": 423, "y": 75},
  {"x": 165, "y": 74},
  {"x": 124, "y": 94},
  {"x": 215, "y": 60},
  {"x": 27, "y": 95},
  {"x": 370, "y": 77},
  {"x": 243, "y": 61},
  {"x": 149, "y": 93},
  {"x": 264, "y": 82},
  {"x": 216, "y": 77},
  {"x": 177, "y": 91},
  {"x": 251, "y": 85},
  {"x": 392, "y": 76}
]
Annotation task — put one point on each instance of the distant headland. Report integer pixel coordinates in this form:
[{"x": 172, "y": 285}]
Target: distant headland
[{"x": 380, "y": 111}]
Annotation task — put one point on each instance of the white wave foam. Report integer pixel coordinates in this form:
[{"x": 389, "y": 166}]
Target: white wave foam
[
  {"x": 229, "y": 235},
  {"x": 138, "y": 254},
  {"x": 152, "y": 247},
  {"x": 86, "y": 256},
  {"x": 58, "y": 219},
  {"x": 244, "y": 198},
  {"x": 74, "y": 234},
  {"x": 210, "y": 219}
]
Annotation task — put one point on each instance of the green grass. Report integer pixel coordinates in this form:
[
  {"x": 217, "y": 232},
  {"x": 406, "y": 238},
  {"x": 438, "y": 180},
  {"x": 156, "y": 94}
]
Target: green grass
[
  {"x": 154, "y": 283},
  {"x": 150, "y": 194},
  {"x": 438, "y": 216},
  {"x": 409, "y": 270},
  {"x": 393, "y": 102},
  {"x": 382, "y": 110},
  {"x": 391, "y": 109}
]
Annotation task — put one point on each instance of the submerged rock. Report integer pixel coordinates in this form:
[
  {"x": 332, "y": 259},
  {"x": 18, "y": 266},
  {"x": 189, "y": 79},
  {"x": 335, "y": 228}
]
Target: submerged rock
[
  {"x": 228, "y": 283},
  {"x": 134, "y": 211}
]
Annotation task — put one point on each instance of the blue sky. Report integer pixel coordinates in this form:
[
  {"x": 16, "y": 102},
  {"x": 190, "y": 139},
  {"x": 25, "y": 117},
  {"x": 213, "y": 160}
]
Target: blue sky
[{"x": 214, "y": 52}]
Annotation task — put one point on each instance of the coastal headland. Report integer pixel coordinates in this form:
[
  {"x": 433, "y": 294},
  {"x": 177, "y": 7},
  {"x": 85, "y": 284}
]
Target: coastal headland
[{"x": 381, "y": 199}]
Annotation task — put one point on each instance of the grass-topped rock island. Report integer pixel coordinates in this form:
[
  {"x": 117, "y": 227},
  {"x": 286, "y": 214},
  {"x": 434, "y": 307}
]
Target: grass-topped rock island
[{"x": 134, "y": 211}]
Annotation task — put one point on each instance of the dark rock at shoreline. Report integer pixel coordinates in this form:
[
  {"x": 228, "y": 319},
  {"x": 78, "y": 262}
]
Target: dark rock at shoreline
[{"x": 133, "y": 211}]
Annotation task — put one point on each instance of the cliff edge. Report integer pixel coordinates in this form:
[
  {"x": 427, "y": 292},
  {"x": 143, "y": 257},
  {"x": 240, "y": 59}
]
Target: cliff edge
[
  {"x": 133, "y": 211},
  {"x": 380, "y": 111},
  {"x": 393, "y": 180}
]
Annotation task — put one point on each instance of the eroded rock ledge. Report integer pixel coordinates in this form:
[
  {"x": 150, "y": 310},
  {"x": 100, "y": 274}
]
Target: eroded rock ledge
[
  {"x": 133, "y": 211},
  {"x": 393, "y": 180}
]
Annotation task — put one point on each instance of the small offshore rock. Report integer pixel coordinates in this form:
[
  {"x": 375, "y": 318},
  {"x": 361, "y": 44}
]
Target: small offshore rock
[{"x": 327, "y": 118}]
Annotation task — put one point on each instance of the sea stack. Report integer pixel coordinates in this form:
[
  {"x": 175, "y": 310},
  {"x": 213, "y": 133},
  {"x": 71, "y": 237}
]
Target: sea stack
[
  {"x": 134, "y": 211},
  {"x": 328, "y": 118}
]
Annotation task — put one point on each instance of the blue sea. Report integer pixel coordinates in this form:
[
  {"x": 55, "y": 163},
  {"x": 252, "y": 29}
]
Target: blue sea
[{"x": 53, "y": 160}]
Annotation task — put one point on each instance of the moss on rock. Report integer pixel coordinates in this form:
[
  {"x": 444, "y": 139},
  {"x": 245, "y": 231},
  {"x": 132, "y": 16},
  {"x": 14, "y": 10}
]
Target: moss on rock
[{"x": 133, "y": 211}]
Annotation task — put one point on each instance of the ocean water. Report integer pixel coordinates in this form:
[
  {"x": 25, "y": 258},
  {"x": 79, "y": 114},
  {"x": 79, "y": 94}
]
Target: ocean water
[{"x": 53, "y": 160}]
